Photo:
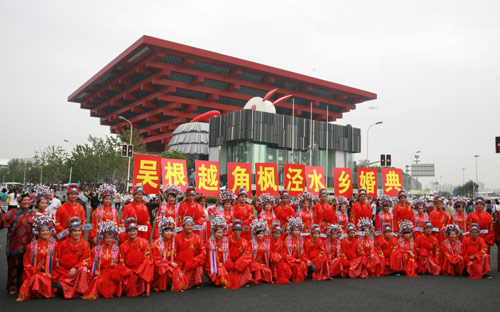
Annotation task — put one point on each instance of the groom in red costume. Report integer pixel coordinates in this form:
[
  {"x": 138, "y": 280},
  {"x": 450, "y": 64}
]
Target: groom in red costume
[
  {"x": 191, "y": 253},
  {"x": 138, "y": 211},
  {"x": 70, "y": 209},
  {"x": 361, "y": 209}
]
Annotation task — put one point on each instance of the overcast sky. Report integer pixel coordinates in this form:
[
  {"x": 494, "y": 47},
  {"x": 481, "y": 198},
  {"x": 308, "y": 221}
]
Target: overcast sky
[{"x": 433, "y": 64}]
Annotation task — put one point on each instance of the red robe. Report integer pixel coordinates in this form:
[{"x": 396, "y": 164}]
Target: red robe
[
  {"x": 238, "y": 262},
  {"x": 279, "y": 268},
  {"x": 452, "y": 261},
  {"x": 163, "y": 254},
  {"x": 166, "y": 210},
  {"x": 136, "y": 257},
  {"x": 404, "y": 258},
  {"x": 359, "y": 211},
  {"x": 191, "y": 255},
  {"x": 460, "y": 219},
  {"x": 19, "y": 224},
  {"x": 284, "y": 213},
  {"x": 38, "y": 268},
  {"x": 427, "y": 248},
  {"x": 353, "y": 254},
  {"x": 261, "y": 264},
  {"x": 316, "y": 253},
  {"x": 141, "y": 214},
  {"x": 267, "y": 216},
  {"x": 387, "y": 247},
  {"x": 336, "y": 260},
  {"x": 373, "y": 257},
  {"x": 246, "y": 214},
  {"x": 439, "y": 219},
  {"x": 319, "y": 210},
  {"x": 65, "y": 212},
  {"x": 295, "y": 258},
  {"x": 485, "y": 221},
  {"x": 193, "y": 210},
  {"x": 108, "y": 283},
  {"x": 480, "y": 265},
  {"x": 403, "y": 212},
  {"x": 328, "y": 217},
  {"x": 307, "y": 218},
  {"x": 419, "y": 224},
  {"x": 343, "y": 221},
  {"x": 217, "y": 252},
  {"x": 382, "y": 218},
  {"x": 73, "y": 255},
  {"x": 100, "y": 215}
]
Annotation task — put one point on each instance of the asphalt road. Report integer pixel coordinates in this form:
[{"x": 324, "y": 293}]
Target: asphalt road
[{"x": 389, "y": 293}]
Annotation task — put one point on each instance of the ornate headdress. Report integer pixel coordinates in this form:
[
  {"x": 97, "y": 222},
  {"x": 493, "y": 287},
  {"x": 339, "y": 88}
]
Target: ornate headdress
[
  {"x": 73, "y": 188},
  {"x": 43, "y": 220},
  {"x": 452, "y": 228},
  {"x": 166, "y": 223},
  {"x": 365, "y": 223},
  {"x": 305, "y": 196},
  {"x": 385, "y": 201},
  {"x": 130, "y": 224},
  {"x": 41, "y": 192},
  {"x": 350, "y": 227},
  {"x": 227, "y": 196},
  {"x": 266, "y": 199},
  {"x": 106, "y": 190},
  {"x": 258, "y": 225},
  {"x": 218, "y": 223},
  {"x": 334, "y": 229},
  {"x": 342, "y": 201},
  {"x": 405, "y": 227},
  {"x": 295, "y": 223},
  {"x": 276, "y": 226},
  {"x": 170, "y": 189},
  {"x": 74, "y": 223},
  {"x": 108, "y": 227}
]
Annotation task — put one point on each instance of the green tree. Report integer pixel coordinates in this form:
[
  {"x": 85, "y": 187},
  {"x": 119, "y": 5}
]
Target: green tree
[
  {"x": 52, "y": 161},
  {"x": 469, "y": 189}
]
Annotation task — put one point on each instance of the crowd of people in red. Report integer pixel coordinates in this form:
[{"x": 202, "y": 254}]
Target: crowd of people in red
[{"x": 233, "y": 244}]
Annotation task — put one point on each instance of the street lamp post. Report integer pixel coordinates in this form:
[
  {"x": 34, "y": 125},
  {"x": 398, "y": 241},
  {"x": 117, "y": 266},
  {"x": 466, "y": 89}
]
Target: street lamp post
[
  {"x": 71, "y": 164},
  {"x": 411, "y": 171},
  {"x": 130, "y": 143},
  {"x": 367, "y": 136},
  {"x": 463, "y": 176},
  {"x": 477, "y": 156}
]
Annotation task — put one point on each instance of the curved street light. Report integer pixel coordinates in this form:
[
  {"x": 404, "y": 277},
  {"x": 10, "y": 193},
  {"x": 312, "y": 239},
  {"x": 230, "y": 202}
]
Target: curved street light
[{"x": 367, "y": 136}]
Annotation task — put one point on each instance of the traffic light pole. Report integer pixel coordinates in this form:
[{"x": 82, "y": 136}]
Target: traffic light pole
[{"x": 130, "y": 157}]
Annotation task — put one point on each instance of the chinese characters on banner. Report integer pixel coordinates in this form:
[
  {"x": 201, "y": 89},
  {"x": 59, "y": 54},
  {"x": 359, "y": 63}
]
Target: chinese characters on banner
[
  {"x": 315, "y": 178},
  {"x": 367, "y": 179},
  {"x": 266, "y": 179},
  {"x": 207, "y": 177},
  {"x": 295, "y": 179},
  {"x": 239, "y": 175},
  {"x": 147, "y": 173},
  {"x": 392, "y": 179},
  {"x": 342, "y": 181},
  {"x": 174, "y": 172}
]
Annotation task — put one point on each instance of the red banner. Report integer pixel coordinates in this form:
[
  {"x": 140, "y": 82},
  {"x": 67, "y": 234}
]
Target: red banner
[
  {"x": 266, "y": 179},
  {"x": 295, "y": 179},
  {"x": 147, "y": 173},
  {"x": 367, "y": 179},
  {"x": 174, "y": 172},
  {"x": 315, "y": 177},
  {"x": 342, "y": 178},
  {"x": 239, "y": 175},
  {"x": 392, "y": 179},
  {"x": 207, "y": 177}
]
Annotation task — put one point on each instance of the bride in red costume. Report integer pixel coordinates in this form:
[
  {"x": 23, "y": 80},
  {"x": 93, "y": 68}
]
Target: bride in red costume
[
  {"x": 284, "y": 211},
  {"x": 105, "y": 264},
  {"x": 72, "y": 260},
  {"x": 427, "y": 248},
  {"x": 342, "y": 217},
  {"x": 316, "y": 254},
  {"x": 39, "y": 260},
  {"x": 336, "y": 261},
  {"x": 372, "y": 256},
  {"x": 280, "y": 269},
  {"x": 169, "y": 208},
  {"x": 420, "y": 218},
  {"x": 244, "y": 212},
  {"x": 296, "y": 257},
  {"x": 387, "y": 245},
  {"x": 138, "y": 211},
  {"x": 304, "y": 212},
  {"x": 239, "y": 261},
  {"x": 452, "y": 260},
  {"x": 475, "y": 254},
  {"x": 167, "y": 270},
  {"x": 384, "y": 216},
  {"x": 103, "y": 213},
  {"x": 135, "y": 256},
  {"x": 260, "y": 247},
  {"x": 217, "y": 250},
  {"x": 352, "y": 251},
  {"x": 403, "y": 259},
  {"x": 191, "y": 253},
  {"x": 226, "y": 200},
  {"x": 267, "y": 214}
]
